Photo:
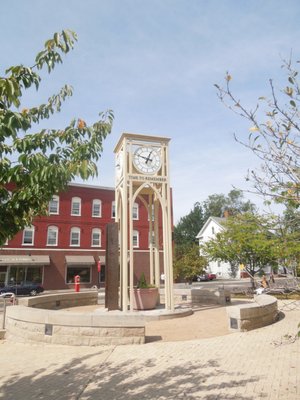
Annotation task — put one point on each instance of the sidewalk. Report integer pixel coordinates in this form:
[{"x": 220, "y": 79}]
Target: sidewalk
[{"x": 260, "y": 364}]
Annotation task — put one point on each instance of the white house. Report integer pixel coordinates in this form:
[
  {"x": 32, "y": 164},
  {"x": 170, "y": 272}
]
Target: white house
[{"x": 209, "y": 230}]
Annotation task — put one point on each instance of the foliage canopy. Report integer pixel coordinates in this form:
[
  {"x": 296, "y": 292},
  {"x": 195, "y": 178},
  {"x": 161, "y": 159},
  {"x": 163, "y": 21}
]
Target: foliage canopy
[
  {"x": 36, "y": 165},
  {"x": 274, "y": 136}
]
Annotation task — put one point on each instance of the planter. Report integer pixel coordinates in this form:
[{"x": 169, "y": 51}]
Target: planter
[{"x": 145, "y": 299}]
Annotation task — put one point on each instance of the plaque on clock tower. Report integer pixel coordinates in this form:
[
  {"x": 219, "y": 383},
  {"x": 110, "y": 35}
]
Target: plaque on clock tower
[{"x": 142, "y": 172}]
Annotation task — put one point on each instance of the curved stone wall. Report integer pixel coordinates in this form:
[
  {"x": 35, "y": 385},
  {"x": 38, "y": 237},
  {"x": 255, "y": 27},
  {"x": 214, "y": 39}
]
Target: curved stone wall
[
  {"x": 245, "y": 317},
  {"x": 71, "y": 328},
  {"x": 57, "y": 301},
  {"x": 44, "y": 319}
]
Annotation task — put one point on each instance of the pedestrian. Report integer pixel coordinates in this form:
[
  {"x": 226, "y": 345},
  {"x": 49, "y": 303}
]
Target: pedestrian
[{"x": 264, "y": 282}]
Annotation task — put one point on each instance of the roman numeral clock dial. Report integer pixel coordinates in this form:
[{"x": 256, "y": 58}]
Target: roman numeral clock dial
[{"x": 147, "y": 159}]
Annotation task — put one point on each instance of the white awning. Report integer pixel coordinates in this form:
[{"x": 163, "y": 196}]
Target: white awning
[
  {"x": 80, "y": 260},
  {"x": 24, "y": 260}
]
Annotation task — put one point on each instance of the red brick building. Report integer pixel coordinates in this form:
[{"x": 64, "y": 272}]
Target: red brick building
[{"x": 70, "y": 240}]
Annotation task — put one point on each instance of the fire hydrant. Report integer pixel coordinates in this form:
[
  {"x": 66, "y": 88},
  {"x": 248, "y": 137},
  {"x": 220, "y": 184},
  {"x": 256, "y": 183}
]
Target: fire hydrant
[{"x": 77, "y": 283}]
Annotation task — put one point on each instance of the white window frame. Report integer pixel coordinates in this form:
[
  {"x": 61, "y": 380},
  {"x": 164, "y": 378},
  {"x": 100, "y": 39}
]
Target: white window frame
[
  {"x": 96, "y": 231},
  {"x": 54, "y": 200},
  {"x": 52, "y": 228},
  {"x": 76, "y": 200},
  {"x": 113, "y": 209},
  {"x": 135, "y": 211},
  {"x": 97, "y": 202},
  {"x": 28, "y": 229},
  {"x": 75, "y": 230},
  {"x": 135, "y": 239}
]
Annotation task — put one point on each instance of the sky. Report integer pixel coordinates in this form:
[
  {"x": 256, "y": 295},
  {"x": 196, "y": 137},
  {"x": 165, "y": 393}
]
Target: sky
[{"x": 155, "y": 63}]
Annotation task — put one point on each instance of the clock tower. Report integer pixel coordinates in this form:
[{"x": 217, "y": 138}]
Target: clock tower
[{"x": 142, "y": 172}]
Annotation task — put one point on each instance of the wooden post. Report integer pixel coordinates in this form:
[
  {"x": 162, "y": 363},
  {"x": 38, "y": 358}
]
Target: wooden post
[{"x": 112, "y": 267}]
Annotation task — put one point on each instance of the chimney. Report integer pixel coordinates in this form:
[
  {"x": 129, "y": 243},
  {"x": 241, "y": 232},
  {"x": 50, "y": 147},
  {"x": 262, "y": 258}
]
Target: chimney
[{"x": 226, "y": 213}]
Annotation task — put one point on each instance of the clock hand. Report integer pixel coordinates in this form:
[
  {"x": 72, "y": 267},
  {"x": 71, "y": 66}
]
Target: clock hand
[
  {"x": 145, "y": 158},
  {"x": 148, "y": 158}
]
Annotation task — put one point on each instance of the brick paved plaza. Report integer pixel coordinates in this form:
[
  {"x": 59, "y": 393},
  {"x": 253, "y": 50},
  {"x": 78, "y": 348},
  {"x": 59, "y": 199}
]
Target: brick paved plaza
[{"x": 260, "y": 364}]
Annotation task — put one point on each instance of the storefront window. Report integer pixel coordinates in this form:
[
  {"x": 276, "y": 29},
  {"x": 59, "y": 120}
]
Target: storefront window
[
  {"x": 102, "y": 274},
  {"x": 18, "y": 275},
  {"x": 34, "y": 274},
  {"x": 83, "y": 272}
]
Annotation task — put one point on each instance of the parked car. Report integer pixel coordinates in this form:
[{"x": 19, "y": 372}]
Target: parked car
[
  {"x": 27, "y": 288},
  {"x": 211, "y": 277},
  {"x": 205, "y": 277}
]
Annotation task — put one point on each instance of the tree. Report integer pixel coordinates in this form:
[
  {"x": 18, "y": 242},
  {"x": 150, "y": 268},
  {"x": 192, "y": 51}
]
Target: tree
[
  {"x": 217, "y": 204},
  {"x": 247, "y": 239},
  {"x": 288, "y": 233},
  {"x": 187, "y": 262},
  {"x": 186, "y": 230},
  {"x": 274, "y": 137},
  {"x": 34, "y": 166}
]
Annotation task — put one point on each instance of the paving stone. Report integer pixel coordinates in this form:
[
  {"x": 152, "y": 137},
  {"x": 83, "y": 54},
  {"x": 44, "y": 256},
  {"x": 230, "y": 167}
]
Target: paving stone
[{"x": 260, "y": 364}]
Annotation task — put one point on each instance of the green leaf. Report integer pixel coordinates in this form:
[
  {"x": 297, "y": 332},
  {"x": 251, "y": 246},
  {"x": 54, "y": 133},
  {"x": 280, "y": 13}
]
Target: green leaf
[{"x": 56, "y": 38}]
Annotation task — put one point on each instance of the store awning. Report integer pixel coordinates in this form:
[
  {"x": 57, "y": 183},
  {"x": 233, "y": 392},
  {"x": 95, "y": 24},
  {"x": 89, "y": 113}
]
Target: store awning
[
  {"x": 24, "y": 260},
  {"x": 80, "y": 260}
]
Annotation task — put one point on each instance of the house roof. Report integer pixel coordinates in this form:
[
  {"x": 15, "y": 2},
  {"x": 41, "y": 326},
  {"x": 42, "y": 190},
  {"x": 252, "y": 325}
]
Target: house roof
[{"x": 219, "y": 221}]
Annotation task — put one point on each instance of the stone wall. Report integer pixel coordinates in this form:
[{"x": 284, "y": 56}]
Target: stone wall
[
  {"x": 263, "y": 311},
  {"x": 197, "y": 296},
  {"x": 57, "y": 301},
  {"x": 210, "y": 296},
  {"x": 27, "y": 324}
]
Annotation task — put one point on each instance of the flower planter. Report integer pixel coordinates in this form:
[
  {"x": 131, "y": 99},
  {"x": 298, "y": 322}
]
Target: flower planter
[{"x": 145, "y": 298}]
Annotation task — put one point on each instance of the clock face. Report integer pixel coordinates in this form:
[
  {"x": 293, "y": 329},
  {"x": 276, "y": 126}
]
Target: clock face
[
  {"x": 147, "y": 159},
  {"x": 119, "y": 164}
]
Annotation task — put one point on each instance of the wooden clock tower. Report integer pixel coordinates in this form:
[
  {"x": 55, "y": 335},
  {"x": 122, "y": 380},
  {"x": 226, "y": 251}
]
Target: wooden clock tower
[{"x": 142, "y": 171}]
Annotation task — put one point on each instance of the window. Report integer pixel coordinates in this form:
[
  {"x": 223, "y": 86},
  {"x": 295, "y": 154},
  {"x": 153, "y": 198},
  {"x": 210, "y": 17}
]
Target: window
[
  {"x": 75, "y": 237},
  {"x": 83, "y": 272},
  {"x": 113, "y": 209},
  {"x": 54, "y": 205},
  {"x": 17, "y": 274},
  {"x": 213, "y": 230},
  {"x": 135, "y": 239},
  {"x": 76, "y": 206},
  {"x": 52, "y": 236},
  {"x": 96, "y": 211},
  {"x": 96, "y": 237},
  {"x": 135, "y": 211},
  {"x": 28, "y": 236}
]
